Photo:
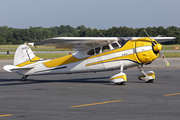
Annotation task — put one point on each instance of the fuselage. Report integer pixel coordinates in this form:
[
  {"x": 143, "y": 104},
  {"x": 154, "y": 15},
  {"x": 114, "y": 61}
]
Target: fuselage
[{"x": 129, "y": 53}]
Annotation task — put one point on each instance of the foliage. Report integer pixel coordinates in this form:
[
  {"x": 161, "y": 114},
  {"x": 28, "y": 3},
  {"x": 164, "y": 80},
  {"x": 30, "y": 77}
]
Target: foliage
[{"x": 13, "y": 36}]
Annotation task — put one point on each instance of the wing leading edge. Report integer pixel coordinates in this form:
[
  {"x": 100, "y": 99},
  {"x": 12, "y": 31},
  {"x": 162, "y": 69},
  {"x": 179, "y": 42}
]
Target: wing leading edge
[
  {"x": 80, "y": 43},
  {"x": 77, "y": 43}
]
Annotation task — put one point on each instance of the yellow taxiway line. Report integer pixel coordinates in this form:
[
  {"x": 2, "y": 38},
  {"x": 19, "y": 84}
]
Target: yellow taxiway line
[
  {"x": 172, "y": 94},
  {"x": 96, "y": 103},
  {"x": 6, "y": 115}
]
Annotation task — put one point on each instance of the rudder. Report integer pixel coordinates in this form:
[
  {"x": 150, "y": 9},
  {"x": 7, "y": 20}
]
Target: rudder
[{"x": 23, "y": 54}]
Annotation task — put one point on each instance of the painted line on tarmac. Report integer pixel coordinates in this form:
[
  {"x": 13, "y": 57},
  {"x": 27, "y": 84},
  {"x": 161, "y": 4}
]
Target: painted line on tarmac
[
  {"x": 159, "y": 67},
  {"x": 172, "y": 94},
  {"x": 96, "y": 103},
  {"x": 6, "y": 115},
  {"x": 154, "y": 67}
]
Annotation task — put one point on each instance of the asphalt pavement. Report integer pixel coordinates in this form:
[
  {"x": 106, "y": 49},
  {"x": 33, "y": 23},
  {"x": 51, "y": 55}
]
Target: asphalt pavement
[
  {"x": 174, "y": 63},
  {"x": 90, "y": 96}
]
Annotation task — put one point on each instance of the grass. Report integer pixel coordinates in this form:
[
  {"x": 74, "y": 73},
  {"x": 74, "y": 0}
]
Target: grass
[
  {"x": 8, "y": 46},
  {"x": 45, "y": 56},
  {"x": 169, "y": 47},
  {"x": 53, "y": 56},
  {"x": 4, "y": 56},
  {"x": 12, "y": 48},
  {"x": 175, "y": 54}
]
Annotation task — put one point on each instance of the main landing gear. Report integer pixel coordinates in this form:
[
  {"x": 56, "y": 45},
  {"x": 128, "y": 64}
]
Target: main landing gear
[
  {"x": 120, "y": 78},
  {"x": 24, "y": 78},
  {"x": 147, "y": 77}
]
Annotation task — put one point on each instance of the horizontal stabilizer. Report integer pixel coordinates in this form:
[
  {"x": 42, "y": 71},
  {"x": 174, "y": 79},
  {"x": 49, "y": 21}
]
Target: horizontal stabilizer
[{"x": 10, "y": 68}]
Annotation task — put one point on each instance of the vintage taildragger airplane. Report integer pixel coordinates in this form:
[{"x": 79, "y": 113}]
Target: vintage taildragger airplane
[{"x": 94, "y": 54}]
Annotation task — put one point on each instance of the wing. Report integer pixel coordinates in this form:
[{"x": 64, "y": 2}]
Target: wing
[
  {"x": 77, "y": 43},
  {"x": 159, "y": 39},
  {"x": 80, "y": 43},
  {"x": 163, "y": 39}
]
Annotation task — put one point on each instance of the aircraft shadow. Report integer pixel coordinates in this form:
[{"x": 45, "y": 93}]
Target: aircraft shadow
[{"x": 33, "y": 81}]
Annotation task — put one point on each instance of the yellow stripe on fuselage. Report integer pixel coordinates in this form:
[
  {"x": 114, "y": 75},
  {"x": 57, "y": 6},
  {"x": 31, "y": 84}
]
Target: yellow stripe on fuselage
[
  {"x": 130, "y": 57},
  {"x": 62, "y": 61},
  {"x": 71, "y": 59},
  {"x": 35, "y": 59}
]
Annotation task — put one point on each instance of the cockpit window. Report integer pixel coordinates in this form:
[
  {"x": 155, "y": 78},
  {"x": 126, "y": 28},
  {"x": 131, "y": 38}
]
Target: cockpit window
[
  {"x": 115, "y": 45},
  {"x": 105, "y": 48},
  {"x": 90, "y": 52},
  {"x": 122, "y": 41},
  {"x": 98, "y": 50}
]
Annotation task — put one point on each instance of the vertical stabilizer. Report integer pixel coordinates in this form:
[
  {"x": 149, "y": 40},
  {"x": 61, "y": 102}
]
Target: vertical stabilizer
[{"x": 23, "y": 54}]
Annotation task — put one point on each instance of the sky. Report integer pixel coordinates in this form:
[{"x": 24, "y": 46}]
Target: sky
[{"x": 100, "y": 14}]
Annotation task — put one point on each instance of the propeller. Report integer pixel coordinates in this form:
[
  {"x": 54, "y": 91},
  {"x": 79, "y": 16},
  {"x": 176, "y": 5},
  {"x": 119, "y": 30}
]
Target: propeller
[{"x": 157, "y": 47}]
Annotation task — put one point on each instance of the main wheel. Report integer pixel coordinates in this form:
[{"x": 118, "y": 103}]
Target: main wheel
[
  {"x": 150, "y": 81},
  {"x": 120, "y": 83},
  {"x": 24, "y": 78}
]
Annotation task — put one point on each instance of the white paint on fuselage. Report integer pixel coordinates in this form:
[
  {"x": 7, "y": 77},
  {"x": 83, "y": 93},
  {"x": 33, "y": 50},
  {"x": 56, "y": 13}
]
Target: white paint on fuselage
[{"x": 80, "y": 66}]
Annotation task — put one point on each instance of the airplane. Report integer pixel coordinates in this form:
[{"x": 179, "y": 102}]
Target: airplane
[{"x": 94, "y": 54}]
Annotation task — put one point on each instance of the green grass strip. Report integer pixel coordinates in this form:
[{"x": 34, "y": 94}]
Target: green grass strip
[
  {"x": 45, "y": 56},
  {"x": 175, "y": 54},
  {"x": 57, "y": 55}
]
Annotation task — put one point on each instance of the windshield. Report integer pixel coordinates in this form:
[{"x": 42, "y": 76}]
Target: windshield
[{"x": 123, "y": 40}]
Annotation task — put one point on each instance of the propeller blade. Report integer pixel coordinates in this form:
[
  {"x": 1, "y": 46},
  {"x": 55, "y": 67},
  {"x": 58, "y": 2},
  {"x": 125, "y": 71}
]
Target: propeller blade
[
  {"x": 149, "y": 37},
  {"x": 164, "y": 58}
]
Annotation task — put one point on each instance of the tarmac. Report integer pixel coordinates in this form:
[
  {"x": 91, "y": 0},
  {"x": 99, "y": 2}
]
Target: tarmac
[
  {"x": 173, "y": 63},
  {"x": 90, "y": 96}
]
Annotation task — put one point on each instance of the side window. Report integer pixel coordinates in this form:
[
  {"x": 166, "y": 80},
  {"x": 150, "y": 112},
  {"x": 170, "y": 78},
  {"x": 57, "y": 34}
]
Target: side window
[
  {"x": 97, "y": 50},
  {"x": 115, "y": 45},
  {"x": 122, "y": 42},
  {"x": 105, "y": 48},
  {"x": 90, "y": 52}
]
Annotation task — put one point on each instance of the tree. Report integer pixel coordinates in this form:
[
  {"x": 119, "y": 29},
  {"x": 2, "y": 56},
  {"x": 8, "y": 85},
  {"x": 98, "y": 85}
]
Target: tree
[
  {"x": 2, "y": 41},
  {"x": 46, "y": 33},
  {"x": 81, "y": 27},
  {"x": 39, "y": 34},
  {"x": 88, "y": 32},
  {"x": 34, "y": 34}
]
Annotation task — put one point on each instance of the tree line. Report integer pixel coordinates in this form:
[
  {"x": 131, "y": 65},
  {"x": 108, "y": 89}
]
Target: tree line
[{"x": 9, "y": 35}]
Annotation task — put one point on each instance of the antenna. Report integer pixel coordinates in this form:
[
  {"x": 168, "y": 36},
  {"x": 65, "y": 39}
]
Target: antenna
[{"x": 101, "y": 33}]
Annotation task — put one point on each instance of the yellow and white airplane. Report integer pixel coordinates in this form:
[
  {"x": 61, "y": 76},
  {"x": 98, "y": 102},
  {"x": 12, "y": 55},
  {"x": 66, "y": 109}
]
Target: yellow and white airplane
[{"x": 94, "y": 54}]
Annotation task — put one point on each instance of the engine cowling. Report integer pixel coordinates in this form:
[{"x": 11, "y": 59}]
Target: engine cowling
[{"x": 145, "y": 51}]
